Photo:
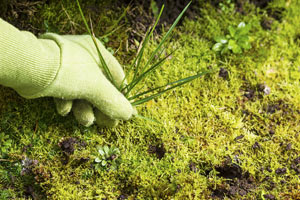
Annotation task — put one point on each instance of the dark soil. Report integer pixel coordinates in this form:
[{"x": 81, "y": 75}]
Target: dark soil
[
  {"x": 288, "y": 147},
  {"x": 271, "y": 132},
  {"x": 80, "y": 161},
  {"x": 297, "y": 161},
  {"x": 223, "y": 73},
  {"x": 68, "y": 145},
  {"x": 33, "y": 173},
  {"x": 141, "y": 17},
  {"x": 30, "y": 192},
  {"x": 239, "y": 183},
  {"x": 263, "y": 88},
  {"x": 19, "y": 13},
  {"x": 276, "y": 110},
  {"x": 278, "y": 106},
  {"x": 276, "y": 13},
  {"x": 173, "y": 8},
  {"x": 280, "y": 171},
  {"x": 260, "y": 3},
  {"x": 193, "y": 167},
  {"x": 266, "y": 23},
  {"x": 230, "y": 171},
  {"x": 158, "y": 149},
  {"x": 26, "y": 148},
  {"x": 273, "y": 14},
  {"x": 3, "y": 7},
  {"x": 269, "y": 196},
  {"x": 254, "y": 92},
  {"x": 239, "y": 137},
  {"x": 271, "y": 185},
  {"x": 250, "y": 94},
  {"x": 296, "y": 165},
  {"x": 256, "y": 145},
  {"x": 122, "y": 197}
]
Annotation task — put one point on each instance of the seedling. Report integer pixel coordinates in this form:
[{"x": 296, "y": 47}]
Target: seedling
[
  {"x": 236, "y": 41},
  {"x": 141, "y": 72},
  {"x": 108, "y": 158}
]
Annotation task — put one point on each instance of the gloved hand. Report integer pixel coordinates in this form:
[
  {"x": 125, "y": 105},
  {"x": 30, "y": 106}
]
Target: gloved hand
[{"x": 64, "y": 67}]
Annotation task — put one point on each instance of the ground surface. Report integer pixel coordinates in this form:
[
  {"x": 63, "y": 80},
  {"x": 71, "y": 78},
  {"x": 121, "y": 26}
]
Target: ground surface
[{"x": 233, "y": 134}]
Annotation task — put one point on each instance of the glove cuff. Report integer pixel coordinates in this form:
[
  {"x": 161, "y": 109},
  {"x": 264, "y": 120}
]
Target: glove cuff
[{"x": 27, "y": 64}]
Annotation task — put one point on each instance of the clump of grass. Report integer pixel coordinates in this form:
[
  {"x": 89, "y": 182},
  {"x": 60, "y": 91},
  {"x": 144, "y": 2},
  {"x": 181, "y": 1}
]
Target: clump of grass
[{"x": 141, "y": 72}]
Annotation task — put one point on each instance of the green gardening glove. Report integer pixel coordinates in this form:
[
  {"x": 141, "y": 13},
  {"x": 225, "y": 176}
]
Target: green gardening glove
[{"x": 64, "y": 67}]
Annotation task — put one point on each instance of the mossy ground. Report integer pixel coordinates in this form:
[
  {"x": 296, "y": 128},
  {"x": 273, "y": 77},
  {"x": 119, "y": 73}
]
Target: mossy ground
[{"x": 219, "y": 137}]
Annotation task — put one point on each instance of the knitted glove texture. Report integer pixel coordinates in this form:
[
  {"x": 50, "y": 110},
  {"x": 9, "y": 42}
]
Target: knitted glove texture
[{"x": 64, "y": 67}]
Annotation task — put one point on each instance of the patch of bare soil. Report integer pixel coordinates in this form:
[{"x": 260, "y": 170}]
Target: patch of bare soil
[
  {"x": 158, "y": 149},
  {"x": 69, "y": 145},
  {"x": 238, "y": 183},
  {"x": 19, "y": 12},
  {"x": 173, "y": 8}
]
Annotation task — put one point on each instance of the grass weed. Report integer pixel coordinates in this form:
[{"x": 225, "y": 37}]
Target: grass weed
[{"x": 141, "y": 72}]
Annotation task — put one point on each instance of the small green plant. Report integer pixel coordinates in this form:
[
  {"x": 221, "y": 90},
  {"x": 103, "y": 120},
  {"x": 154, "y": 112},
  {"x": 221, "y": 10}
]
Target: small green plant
[
  {"x": 227, "y": 6},
  {"x": 141, "y": 72},
  {"x": 236, "y": 41},
  {"x": 5, "y": 144},
  {"x": 108, "y": 158}
]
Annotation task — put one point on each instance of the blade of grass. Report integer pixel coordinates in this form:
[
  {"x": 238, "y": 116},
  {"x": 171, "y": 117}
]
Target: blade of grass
[
  {"x": 104, "y": 65},
  {"x": 140, "y": 89},
  {"x": 177, "y": 84},
  {"x": 138, "y": 58},
  {"x": 147, "y": 118},
  {"x": 147, "y": 40},
  {"x": 124, "y": 90},
  {"x": 160, "y": 87},
  {"x": 166, "y": 35},
  {"x": 134, "y": 81},
  {"x": 144, "y": 74},
  {"x": 154, "y": 66}
]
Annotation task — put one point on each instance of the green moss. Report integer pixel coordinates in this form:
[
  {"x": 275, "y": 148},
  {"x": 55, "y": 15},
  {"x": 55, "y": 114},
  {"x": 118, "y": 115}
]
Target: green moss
[{"x": 201, "y": 123}]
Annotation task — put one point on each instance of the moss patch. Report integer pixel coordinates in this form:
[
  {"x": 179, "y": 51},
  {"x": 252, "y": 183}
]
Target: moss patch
[{"x": 229, "y": 135}]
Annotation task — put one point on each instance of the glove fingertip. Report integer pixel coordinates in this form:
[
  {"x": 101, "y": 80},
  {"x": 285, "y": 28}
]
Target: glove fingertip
[
  {"x": 103, "y": 120},
  {"x": 63, "y": 107},
  {"x": 83, "y": 113}
]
